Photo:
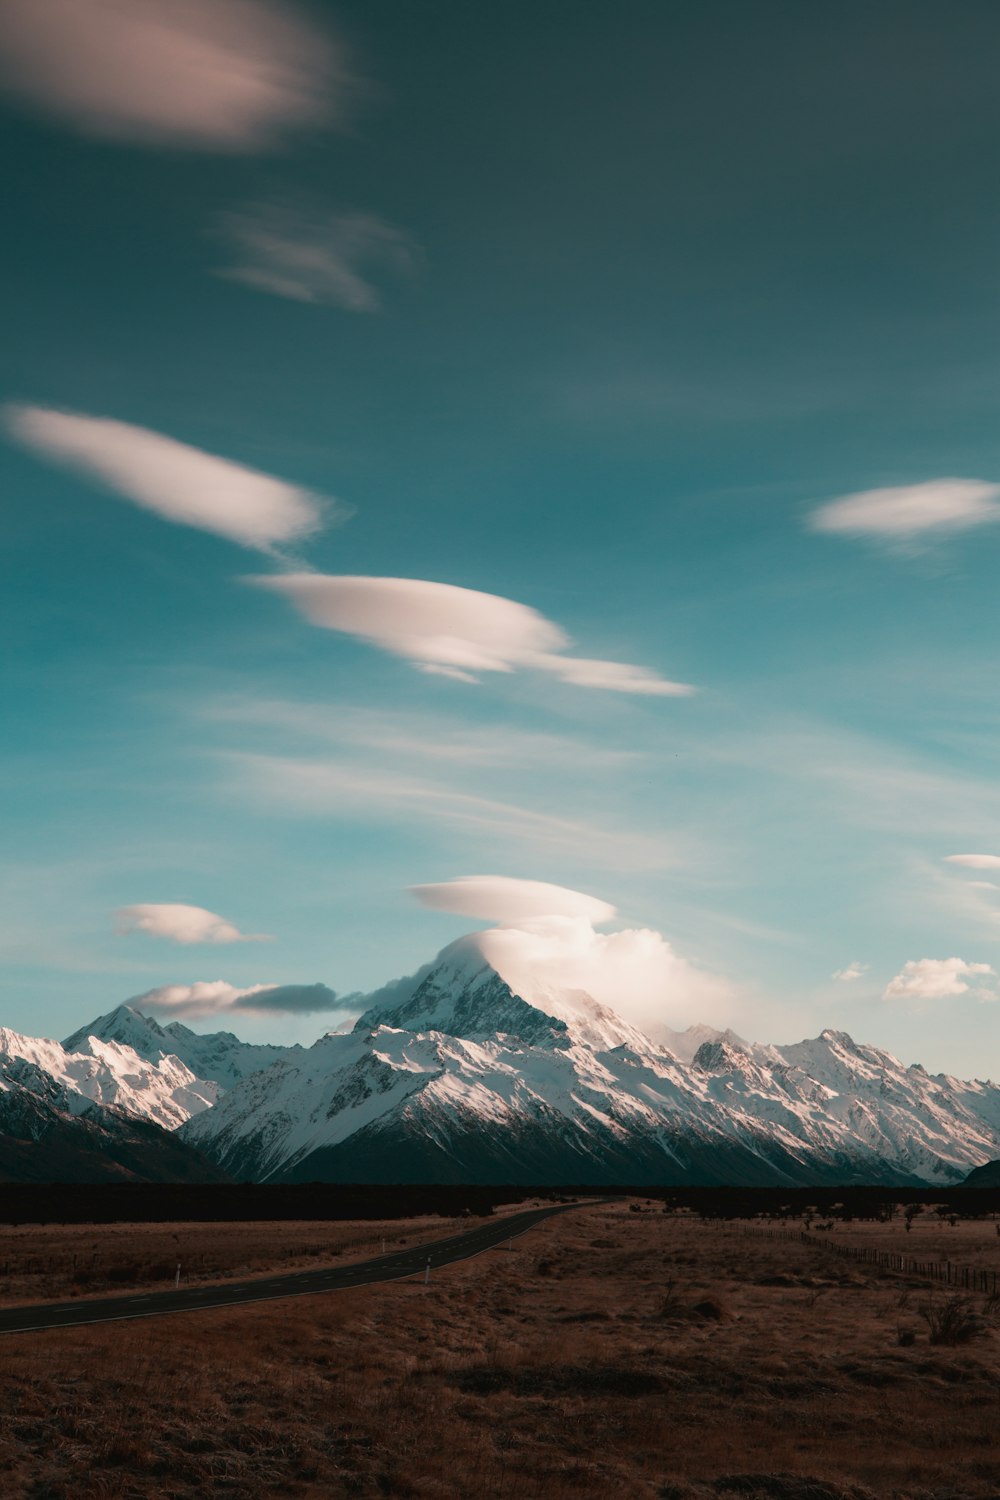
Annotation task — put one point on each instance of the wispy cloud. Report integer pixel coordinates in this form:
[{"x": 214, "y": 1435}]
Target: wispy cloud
[
  {"x": 317, "y": 788},
  {"x": 327, "y": 258},
  {"x": 426, "y": 736},
  {"x": 923, "y": 979},
  {"x": 455, "y": 632},
  {"x": 221, "y": 75},
  {"x": 905, "y": 514},
  {"x": 974, "y": 861},
  {"x": 177, "y": 482},
  {"x": 511, "y": 901},
  {"x": 851, "y": 974},
  {"x": 179, "y": 923},
  {"x": 213, "y": 997}
]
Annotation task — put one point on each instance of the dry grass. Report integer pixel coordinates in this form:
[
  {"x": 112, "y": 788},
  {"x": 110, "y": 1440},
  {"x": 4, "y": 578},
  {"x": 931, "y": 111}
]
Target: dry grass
[
  {"x": 967, "y": 1242},
  {"x": 46, "y": 1262},
  {"x": 636, "y": 1355}
]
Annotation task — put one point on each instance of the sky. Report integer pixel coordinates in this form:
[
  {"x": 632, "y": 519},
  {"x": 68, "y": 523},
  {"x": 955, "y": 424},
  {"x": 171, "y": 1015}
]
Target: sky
[{"x": 534, "y": 442}]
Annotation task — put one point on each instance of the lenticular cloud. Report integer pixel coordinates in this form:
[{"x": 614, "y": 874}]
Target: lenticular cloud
[
  {"x": 454, "y": 632},
  {"x": 177, "y": 482},
  {"x": 901, "y": 513},
  {"x": 501, "y": 898},
  {"x": 546, "y": 947},
  {"x": 220, "y": 75},
  {"x": 183, "y": 924}
]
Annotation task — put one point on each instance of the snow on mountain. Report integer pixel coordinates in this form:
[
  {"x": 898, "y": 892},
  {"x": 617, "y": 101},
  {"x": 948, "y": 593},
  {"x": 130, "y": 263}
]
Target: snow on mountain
[
  {"x": 109, "y": 1073},
  {"x": 218, "y": 1057},
  {"x": 457, "y": 1076},
  {"x": 463, "y": 994},
  {"x": 51, "y": 1133}
]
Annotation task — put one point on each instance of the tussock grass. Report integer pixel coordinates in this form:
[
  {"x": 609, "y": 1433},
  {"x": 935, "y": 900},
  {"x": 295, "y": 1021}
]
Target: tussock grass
[{"x": 498, "y": 1379}]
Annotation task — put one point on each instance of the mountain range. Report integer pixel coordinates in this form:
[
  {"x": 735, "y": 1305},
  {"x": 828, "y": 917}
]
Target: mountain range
[{"x": 456, "y": 1076}]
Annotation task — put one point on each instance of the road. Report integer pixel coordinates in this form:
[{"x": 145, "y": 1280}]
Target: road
[{"x": 410, "y": 1261}]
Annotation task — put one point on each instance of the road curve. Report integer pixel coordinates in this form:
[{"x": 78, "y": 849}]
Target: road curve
[{"x": 411, "y": 1261}]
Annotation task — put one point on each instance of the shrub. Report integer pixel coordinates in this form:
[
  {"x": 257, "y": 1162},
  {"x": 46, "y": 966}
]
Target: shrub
[{"x": 952, "y": 1322}]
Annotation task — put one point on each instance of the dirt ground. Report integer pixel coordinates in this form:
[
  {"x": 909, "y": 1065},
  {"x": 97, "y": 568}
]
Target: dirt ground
[{"x": 609, "y": 1353}]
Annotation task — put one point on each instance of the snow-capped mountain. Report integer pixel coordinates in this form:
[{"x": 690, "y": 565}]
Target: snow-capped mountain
[
  {"x": 219, "y": 1057},
  {"x": 457, "y": 1077},
  {"x": 108, "y": 1072},
  {"x": 51, "y": 1133}
]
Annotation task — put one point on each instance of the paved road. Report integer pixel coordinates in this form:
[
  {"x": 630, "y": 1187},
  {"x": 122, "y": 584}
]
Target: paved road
[{"x": 411, "y": 1261}]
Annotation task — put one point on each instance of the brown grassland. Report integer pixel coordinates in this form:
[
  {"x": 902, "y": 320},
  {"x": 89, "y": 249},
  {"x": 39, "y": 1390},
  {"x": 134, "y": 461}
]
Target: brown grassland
[{"x": 609, "y": 1353}]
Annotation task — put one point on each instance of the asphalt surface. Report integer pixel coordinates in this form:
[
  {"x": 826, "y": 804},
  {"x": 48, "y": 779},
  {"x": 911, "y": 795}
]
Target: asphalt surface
[{"x": 397, "y": 1266}]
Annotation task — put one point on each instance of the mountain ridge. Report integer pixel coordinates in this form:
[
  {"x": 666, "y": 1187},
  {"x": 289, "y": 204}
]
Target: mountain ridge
[{"x": 457, "y": 1075}]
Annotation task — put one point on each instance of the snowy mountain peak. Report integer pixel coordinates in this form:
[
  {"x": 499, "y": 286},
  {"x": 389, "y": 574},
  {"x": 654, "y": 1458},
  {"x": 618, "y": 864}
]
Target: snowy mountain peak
[
  {"x": 218, "y": 1057},
  {"x": 126, "y": 1025},
  {"x": 109, "y": 1073},
  {"x": 464, "y": 994}
]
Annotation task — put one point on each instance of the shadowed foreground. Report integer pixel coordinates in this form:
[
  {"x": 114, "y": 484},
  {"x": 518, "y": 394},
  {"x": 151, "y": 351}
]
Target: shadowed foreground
[{"x": 646, "y": 1355}]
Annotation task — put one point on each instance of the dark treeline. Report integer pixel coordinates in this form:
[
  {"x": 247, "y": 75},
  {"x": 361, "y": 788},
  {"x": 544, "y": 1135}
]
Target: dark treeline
[{"x": 176, "y": 1203}]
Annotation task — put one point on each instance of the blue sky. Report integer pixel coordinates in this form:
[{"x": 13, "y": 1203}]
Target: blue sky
[{"x": 601, "y": 311}]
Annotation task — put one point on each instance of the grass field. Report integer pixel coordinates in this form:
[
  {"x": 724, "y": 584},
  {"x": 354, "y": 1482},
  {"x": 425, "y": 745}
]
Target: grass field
[
  {"x": 52, "y": 1262},
  {"x": 609, "y": 1353}
]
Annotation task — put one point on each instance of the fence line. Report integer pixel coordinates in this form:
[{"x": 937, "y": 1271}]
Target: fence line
[{"x": 963, "y": 1278}]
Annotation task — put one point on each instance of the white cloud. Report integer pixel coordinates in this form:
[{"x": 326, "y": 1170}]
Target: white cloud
[
  {"x": 635, "y": 972},
  {"x": 853, "y": 972},
  {"x": 902, "y": 514},
  {"x": 547, "y": 950},
  {"x": 937, "y": 979},
  {"x": 501, "y": 898},
  {"x": 457, "y": 632},
  {"x": 178, "y": 482},
  {"x": 974, "y": 861},
  {"x": 179, "y": 923},
  {"x": 212, "y": 997},
  {"x": 222, "y": 75},
  {"x": 325, "y": 259}
]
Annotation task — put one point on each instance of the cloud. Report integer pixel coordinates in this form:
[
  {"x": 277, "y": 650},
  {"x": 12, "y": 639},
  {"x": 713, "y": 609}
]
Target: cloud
[
  {"x": 181, "y": 924},
  {"x": 179, "y": 483},
  {"x": 899, "y": 515},
  {"x": 974, "y": 861},
  {"x": 453, "y": 631},
  {"x": 854, "y": 971},
  {"x": 548, "y": 951},
  {"x": 316, "y": 787},
  {"x": 936, "y": 979},
  {"x": 212, "y": 997},
  {"x": 313, "y": 260},
  {"x": 501, "y": 898},
  {"x": 217, "y": 75},
  {"x": 636, "y": 972},
  {"x": 421, "y": 735}
]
